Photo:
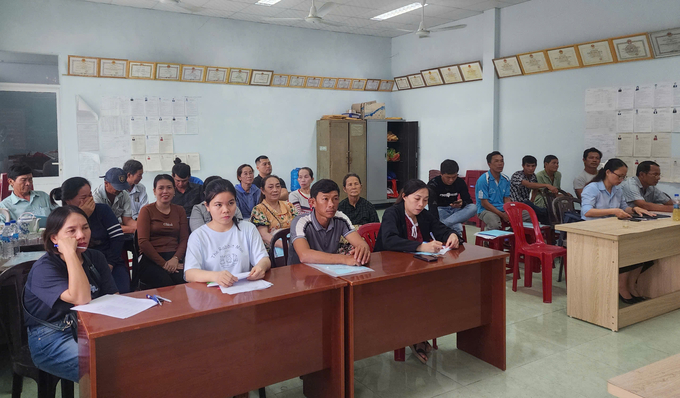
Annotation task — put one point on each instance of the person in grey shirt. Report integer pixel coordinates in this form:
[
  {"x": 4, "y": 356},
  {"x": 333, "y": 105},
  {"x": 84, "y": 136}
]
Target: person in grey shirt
[
  {"x": 113, "y": 192},
  {"x": 591, "y": 160},
  {"x": 641, "y": 190},
  {"x": 138, "y": 198}
]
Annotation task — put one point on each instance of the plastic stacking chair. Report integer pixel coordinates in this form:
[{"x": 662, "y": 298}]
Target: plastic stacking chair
[
  {"x": 370, "y": 233},
  {"x": 12, "y": 322},
  {"x": 545, "y": 253},
  {"x": 283, "y": 236}
]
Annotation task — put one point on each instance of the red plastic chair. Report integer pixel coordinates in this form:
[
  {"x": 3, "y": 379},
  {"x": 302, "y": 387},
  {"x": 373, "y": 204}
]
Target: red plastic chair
[
  {"x": 545, "y": 253},
  {"x": 370, "y": 233}
]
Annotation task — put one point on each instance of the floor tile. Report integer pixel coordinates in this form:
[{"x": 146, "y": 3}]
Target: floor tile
[
  {"x": 622, "y": 351},
  {"x": 523, "y": 348},
  {"x": 557, "y": 328}
]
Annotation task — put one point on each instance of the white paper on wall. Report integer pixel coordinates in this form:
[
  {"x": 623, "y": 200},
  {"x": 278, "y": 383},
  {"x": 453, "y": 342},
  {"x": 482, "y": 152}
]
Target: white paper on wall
[
  {"x": 643, "y": 120},
  {"x": 625, "y": 121},
  {"x": 626, "y": 98},
  {"x": 661, "y": 145},
  {"x": 624, "y": 145},
  {"x": 643, "y": 145},
  {"x": 662, "y": 120},
  {"x": 644, "y": 96}
]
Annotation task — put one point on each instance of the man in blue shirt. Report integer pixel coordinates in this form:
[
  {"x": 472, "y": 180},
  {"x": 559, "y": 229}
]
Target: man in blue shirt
[
  {"x": 23, "y": 198},
  {"x": 493, "y": 190}
]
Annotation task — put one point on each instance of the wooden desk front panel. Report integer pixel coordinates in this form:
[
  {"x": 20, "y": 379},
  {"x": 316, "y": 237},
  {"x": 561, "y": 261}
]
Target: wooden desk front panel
[{"x": 223, "y": 354}]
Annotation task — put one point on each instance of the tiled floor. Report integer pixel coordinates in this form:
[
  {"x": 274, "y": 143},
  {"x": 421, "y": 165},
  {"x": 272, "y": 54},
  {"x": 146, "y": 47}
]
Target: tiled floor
[{"x": 548, "y": 355}]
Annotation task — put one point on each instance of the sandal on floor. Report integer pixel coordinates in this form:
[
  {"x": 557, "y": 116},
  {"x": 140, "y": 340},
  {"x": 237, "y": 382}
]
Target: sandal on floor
[
  {"x": 419, "y": 353},
  {"x": 428, "y": 347}
]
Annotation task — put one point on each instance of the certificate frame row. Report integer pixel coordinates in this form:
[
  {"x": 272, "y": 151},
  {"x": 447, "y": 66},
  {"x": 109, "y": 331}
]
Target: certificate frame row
[
  {"x": 636, "y": 47},
  {"x": 449, "y": 74},
  {"x": 126, "y": 69}
]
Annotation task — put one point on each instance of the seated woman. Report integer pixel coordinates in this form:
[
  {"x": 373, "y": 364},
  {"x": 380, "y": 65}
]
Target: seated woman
[
  {"x": 162, "y": 232},
  {"x": 247, "y": 193},
  {"x": 106, "y": 234},
  {"x": 603, "y": 197},
  {"x": 68, "y": 274},
  {"x": 359, "y": 210},
  {"x": 300, "y": 197},
  {"x": 272, "y": 214},
  {"x": 224, "y": 247},
  {"x": 406, "y": 227},
  {"x": 200, "y": 214}
]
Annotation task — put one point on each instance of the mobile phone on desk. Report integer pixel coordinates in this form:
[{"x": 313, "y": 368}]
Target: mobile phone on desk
[{"x": 425, "y": 257}]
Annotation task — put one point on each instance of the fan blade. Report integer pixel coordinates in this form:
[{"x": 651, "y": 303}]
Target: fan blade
[
  {"x": 325, "y": 9},
  {"x": 448, "y": 28},
  {"x": 283, "y": 19},
  {"x": 323, "y": 21}
]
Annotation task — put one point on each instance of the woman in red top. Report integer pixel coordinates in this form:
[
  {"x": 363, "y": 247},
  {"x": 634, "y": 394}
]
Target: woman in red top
[{"x": 162, "y": 232}]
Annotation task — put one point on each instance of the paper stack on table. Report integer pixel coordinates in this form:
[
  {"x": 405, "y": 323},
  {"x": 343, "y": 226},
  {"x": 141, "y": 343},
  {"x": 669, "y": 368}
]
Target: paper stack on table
[
  {"x": 340, "y": 269},
  {"x": 116, "y": 306},
  {"x": 491, "y": 234},
  {"x": 243, "y": 285}
]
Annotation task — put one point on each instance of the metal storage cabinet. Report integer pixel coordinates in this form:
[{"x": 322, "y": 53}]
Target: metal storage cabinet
[{"x": 341, "y": 149}]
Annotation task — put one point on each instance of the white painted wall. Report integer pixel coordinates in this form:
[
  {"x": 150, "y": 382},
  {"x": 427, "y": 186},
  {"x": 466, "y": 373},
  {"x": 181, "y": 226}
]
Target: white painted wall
[
  {"x": 539, "y": 114},
  {"x": 237, "y": 123}
]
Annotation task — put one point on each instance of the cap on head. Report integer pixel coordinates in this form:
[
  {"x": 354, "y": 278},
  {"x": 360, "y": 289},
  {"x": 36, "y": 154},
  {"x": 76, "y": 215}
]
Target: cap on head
[{"x": 117, "y": 178}]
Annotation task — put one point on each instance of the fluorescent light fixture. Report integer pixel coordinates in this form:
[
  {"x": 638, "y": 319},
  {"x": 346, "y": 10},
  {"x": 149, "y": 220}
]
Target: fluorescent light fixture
[
  {"x": 267, "y": 2},
  {"x": 398, "y": 11}
]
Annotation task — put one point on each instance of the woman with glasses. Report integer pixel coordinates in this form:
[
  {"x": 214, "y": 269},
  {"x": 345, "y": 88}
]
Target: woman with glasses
[{"x": 603, "y": 197}]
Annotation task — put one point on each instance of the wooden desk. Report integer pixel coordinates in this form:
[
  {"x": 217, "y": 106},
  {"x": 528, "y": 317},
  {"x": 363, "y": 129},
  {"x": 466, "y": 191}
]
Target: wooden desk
[
  {"x": 597, "y": 249},
  {"x": 463, "y": 292},
  {"x": 206, "y": 343},
  {"x": 658, "y": 380}
]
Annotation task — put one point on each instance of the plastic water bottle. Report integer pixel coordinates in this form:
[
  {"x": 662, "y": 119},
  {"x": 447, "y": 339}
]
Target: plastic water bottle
[
  {"x": 676, "y": 207},
  {"x": 14, "y": 237},
  {"x": 7, "y": 248}
]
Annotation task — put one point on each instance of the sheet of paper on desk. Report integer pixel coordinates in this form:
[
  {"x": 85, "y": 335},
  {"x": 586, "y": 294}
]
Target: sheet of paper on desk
[
  {"x": 340, "y": 269},
  {"x": 116, "y": 306},
  {"x": 492, "y": 234},
  {"x": 245, "y": 285},
  {"x": 241, "y": 276}
]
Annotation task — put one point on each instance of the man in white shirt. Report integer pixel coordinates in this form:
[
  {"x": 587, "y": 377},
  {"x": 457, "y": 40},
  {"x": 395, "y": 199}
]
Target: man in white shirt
[
  {"x": 138, "y": 198},
  {"x": 591, "y": 160},
  {"x": 641, "y": 190}
]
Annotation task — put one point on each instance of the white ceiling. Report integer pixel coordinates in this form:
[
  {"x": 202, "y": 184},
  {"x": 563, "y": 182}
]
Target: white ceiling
[{"x": 355, "y": 15}]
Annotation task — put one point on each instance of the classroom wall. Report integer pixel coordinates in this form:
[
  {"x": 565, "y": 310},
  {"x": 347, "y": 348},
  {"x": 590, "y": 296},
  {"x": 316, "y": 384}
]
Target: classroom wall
[
  {"x": 538, "y": 114},
  {"x": 237, "y": 123}
]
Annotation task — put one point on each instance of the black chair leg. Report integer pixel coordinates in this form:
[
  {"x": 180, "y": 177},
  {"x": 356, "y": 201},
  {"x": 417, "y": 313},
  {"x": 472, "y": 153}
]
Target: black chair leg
[
  {"x": 66, "y": 388},
  {"x": 47, "y": 385},
  {"x": 17, "y": 385},
  {"x": 263, "y": 394},
  {"x": 559, "y": 275}
]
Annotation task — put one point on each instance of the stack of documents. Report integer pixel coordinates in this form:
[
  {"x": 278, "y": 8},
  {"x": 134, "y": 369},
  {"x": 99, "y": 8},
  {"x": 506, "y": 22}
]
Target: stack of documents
[
  {"x": 116, "y": 306},
  {"x": 337, "y": 270},
  {"x": 492, "y": 234}
]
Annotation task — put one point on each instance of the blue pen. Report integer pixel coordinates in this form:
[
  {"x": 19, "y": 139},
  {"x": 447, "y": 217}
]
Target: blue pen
[{"x": 154, "y": 298}]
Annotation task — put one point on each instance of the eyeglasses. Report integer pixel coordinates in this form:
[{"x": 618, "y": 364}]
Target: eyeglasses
[{"x": 621, "y": 177}]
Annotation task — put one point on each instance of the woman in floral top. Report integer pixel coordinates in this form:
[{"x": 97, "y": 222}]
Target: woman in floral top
[{"x": 272, "y": 214}]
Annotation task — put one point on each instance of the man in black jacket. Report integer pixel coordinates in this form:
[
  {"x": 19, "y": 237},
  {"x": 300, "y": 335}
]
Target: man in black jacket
[{"x": 449, "y": 197}]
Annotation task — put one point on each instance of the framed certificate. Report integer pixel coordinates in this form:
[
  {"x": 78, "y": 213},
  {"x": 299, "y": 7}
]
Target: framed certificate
[
  {"x": 358, "y": 84},
  {"x": 343, "y": 84},
  {"x": 432, "y": 77},
  {"x": 167, "y": 71},
  {"x": 215, "y": 74},
  {"x": 313, "y": 82},
  {"x": 666, "y": 43},
  {"x": 564, "y": 58},
  {"x": 471, "y": 71},
  {"x": 83, "y": 66},
  {"x": 141, "y": 70},
  {"x": 507, "y": 67},
  {"x": 402, "y": 83},
  {"x": 596, "y": 53},
  {"x": 416, "y": 80},
  {"x": 297, "y": 81},
  {"x": 451, "y": 74},
  {"x": 109, "y": 67},
  {"x": 536, "y": 62},
  {"x": 632, "y": 48},
  {"x": 193, "y": 73},
  {"x": 328, "y": 83},
  {"x": 386, "y": 85},
  {"x": 261, "y": 77},
  {"x": 280, "y": 80},
  {"x": 372, "y": 85},
  {"x": 239, "y": 76}
]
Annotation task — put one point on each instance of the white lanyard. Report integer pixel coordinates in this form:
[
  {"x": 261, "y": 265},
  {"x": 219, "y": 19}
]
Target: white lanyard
[{"x": 414, "y": 228}]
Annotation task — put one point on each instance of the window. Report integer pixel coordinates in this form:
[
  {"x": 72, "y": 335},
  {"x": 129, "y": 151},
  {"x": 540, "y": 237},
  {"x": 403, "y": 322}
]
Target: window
[{"x": 29, "y": 127}]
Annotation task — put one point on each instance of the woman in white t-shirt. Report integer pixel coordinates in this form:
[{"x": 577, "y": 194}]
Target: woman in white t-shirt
[{"x": 224, "y": 247}]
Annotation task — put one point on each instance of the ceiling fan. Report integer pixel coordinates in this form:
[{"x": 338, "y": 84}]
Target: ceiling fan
[
  {"x": 180, "y": 4},
  {"x": 423, "y": 32},
  {"x": 315, "y": 15}
]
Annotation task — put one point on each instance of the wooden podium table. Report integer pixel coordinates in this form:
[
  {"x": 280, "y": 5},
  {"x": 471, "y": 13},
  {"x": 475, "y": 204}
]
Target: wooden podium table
[
  {"x": 597, "y": 249},
  {"x": 206, "y": 343},
  {"x": 463, "y": 292}
]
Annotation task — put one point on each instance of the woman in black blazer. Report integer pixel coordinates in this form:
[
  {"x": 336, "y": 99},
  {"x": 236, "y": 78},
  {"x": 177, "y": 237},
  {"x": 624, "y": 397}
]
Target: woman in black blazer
[{"x": 405, "y": 227}]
